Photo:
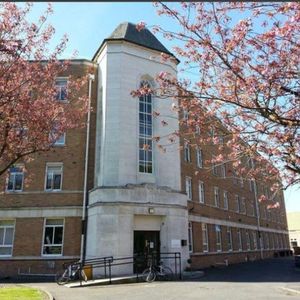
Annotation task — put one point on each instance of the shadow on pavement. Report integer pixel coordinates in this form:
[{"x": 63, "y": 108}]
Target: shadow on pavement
[{"x": 269, "y": 270}]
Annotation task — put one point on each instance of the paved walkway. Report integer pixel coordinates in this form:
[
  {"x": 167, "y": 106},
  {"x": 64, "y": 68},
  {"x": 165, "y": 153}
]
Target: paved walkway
[{"x": 274, "y": 279}]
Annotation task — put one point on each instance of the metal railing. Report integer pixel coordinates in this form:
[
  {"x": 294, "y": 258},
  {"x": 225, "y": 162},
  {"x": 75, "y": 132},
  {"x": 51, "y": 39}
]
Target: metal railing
[{"x": 139, "y": 262}]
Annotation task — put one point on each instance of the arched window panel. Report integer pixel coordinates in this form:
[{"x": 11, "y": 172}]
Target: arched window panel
[{"x": 145, "y": 131}]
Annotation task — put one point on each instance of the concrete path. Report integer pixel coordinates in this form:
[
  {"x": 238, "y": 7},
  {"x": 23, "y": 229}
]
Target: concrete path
[{"x": 274, "y": 279}]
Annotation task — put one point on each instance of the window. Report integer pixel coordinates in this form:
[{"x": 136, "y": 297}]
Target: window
[
  {"x": 188, "y": 187},
  {"x": 271, "y": 240},
  {"x": 15, "y": 179},
  {"x": 198, "y": 130},
  {"x": 145, "y": 132},
  {"x": 190, "y": 236},
  {"x": 254, "y": 238},
  {"x": 242, "y": 205},
  {"x": 276, "y": 241},
  {"x": 58, "y": 140},
  {"x": 225, "y": 199},
  {"x": 201, "y": 192},
  {"x": 229, "y": 239},
  {"x": 61, "y": 89},
  {"x": 204, "y": 238},
  {"x": 221, "y": 139},
  {"x": 251, "y": 208},
  {"x": 239, "y": 240},
  {"x": 217, "y": 196},
  {"x": 54, "y": 177},
  {"x": 267, "y": 245},
  {"x": 241, "y": 182},
  {"x": 250, "y": 185},
  {"x": 214, "y": 166},
  {"x": 53, "y": 237},
  {"x": 223, "y": 170},
  {"x": 185, "y": 115},
  {"x": 237, "y": 203},
  {"x": 218, "y": 238},
  {"x": 187, "y": 152},
  {"x": 7, "y": 228},
  {"x": 248, "y": 240},
  {"x": 199, "y": 158}
]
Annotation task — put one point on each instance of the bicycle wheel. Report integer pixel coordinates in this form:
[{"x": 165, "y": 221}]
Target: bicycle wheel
[
  {"x": 148, "y": 275},
  {"x": 166, "y": 273},
  {"x": 62, "y": 277}
]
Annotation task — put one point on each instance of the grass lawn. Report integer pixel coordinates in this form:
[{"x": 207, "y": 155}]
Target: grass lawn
[{"x": 21, "y": 293}]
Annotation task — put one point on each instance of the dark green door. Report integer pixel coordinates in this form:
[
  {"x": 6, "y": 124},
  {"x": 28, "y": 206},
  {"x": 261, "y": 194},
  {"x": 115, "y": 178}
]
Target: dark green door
[{"x": 146, "y": 246}]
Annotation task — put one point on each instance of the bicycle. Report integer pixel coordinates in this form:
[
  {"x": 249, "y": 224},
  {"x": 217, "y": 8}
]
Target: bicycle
[
  {"x": 71, "y": 272},
  {"x": 160, "y": 271}
]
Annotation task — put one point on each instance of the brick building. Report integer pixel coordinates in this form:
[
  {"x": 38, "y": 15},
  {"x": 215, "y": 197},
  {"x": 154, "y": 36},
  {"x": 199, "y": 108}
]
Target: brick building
[{"x": 133, "y": 198}]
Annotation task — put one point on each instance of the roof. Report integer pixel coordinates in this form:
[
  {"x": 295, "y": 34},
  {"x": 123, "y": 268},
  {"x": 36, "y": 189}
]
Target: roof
[{"x": 127, "y": 32}]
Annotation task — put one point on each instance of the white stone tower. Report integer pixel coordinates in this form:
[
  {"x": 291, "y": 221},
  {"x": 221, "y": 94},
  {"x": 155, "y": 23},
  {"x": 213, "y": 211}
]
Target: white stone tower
[{"x": 136, "y": 202}]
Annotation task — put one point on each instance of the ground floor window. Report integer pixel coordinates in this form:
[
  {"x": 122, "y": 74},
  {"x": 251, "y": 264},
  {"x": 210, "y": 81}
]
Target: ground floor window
[
  {"x": 239, "y": 240},
  {"x": 53, "y": 237},
  {"x": 7, "y": 228},
  {"x": 229, "y": 239},
  {"x": 190, "y": 236},
  {"x": 218, "y": 238},
  {"x": 204, "y": 237}
]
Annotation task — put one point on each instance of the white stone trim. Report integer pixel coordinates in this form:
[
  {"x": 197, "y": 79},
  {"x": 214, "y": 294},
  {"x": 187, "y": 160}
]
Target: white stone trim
[
  {"x": 38, "y": 258},
  {"x": 41, "y": 212},
  {"x": 41, "y": 192},
  {"x": 201, "y": 219}
]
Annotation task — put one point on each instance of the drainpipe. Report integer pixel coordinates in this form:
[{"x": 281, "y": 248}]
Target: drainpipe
[
  {"x": 258, "y": 220},
  {"x": 85, "y": 191}
]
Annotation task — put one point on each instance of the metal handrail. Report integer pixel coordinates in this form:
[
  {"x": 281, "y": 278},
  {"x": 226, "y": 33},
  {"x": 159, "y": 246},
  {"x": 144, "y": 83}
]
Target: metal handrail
[{"x": 108, "y": 262}]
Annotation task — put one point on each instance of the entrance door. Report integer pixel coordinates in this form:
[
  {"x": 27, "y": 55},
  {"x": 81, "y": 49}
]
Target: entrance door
[{"x": 146, "y": 245}]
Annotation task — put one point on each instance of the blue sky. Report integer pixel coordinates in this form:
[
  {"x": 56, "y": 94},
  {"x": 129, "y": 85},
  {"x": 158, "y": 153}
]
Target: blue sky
[{"x": 87, "y": 24}]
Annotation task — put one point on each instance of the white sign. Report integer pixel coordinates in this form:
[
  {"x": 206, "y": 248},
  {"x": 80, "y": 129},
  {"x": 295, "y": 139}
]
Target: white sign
[{"x": 175, "y": 243}]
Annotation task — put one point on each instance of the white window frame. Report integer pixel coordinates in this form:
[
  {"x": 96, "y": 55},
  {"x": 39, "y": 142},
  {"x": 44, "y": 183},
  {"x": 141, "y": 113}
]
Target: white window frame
[
  {"x": 239, "y": 240},
  {"x": 217, "y": 196},
  {"x": 205, "y": 241},
  {"x": 237, "y": 203},
  {"x": 214, "y": 167},
  {"x": 241, "y": 182},
  {"x": 223, "y": 170},
  {"x": 248, "y": 242},
  {"x": 145, "y": 161},
  {"x": 5, "y": 227},
  {"x": 56, "y": 86},
  {"x": 190, "y": 237},
  {"x": 218, "y": 231},
  {"x": 243, "y": 205},
  {"x": 61, "y": 143},
  {"x": 63, "y": 237},
  {"x": 254, "y": 238},
  {"x": 188, "y": 187},
  {"x": 225, "y": 200},
  {"x": 187, "y": 152},
  {"x": 185, "y": 115},
  {"x": 197, "y": 130},
  {"x": 199, "y": 154},
  {"x": 13, "y": 190},
  {"x": 267, "y": 242},
  {"x": 49, "y": 165},
  {"x": 201, "y": 192},
  {"x": 229, "y": 239}
]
